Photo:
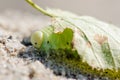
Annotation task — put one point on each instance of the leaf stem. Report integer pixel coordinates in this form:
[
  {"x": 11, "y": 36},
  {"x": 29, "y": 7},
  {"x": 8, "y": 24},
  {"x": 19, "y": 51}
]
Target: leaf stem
[{"x": 39, "y": 8}]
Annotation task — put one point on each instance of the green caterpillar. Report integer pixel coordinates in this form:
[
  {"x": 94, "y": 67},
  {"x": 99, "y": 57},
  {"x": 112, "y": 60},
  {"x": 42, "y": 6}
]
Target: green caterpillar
[{"x": 97, "y": 43}]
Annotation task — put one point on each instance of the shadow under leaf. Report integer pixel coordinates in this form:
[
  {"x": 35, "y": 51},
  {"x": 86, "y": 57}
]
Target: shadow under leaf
[{"x": 59, "y": 62}]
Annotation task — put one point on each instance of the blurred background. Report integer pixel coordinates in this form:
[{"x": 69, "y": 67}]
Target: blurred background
[{"x": 106, "y": 10}]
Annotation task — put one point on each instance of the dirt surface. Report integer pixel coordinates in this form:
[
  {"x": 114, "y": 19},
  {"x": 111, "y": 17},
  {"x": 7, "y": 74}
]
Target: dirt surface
[{"x": 19, "y": 60}]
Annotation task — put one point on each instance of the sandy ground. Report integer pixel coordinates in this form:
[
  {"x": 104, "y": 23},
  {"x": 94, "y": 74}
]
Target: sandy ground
[
  {"x": 14, "y": 26},
  {"x": 18, "y": 59}
]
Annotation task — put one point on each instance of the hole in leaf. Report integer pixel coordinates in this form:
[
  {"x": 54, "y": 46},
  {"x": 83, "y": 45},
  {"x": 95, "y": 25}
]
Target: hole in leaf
[
  {"x": 106, "y": 72},
  {"x": 48, "y": 42},
  {"x": 35, "y": 43},
  {"x": 67, "y": 43}
]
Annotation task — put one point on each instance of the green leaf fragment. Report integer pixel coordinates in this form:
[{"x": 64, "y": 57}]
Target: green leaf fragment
[{"x": 107, "y": 54}]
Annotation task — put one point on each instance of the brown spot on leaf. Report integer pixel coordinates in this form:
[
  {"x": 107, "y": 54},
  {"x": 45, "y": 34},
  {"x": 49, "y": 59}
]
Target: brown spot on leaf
[
  {"x": 100, "y": 38},
  {"x": 88, "y": 44}
]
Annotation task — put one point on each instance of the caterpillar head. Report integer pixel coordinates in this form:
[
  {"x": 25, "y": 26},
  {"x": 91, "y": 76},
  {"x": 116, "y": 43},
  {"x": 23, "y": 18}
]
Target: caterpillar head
[{"x": 37, "y": 39}]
